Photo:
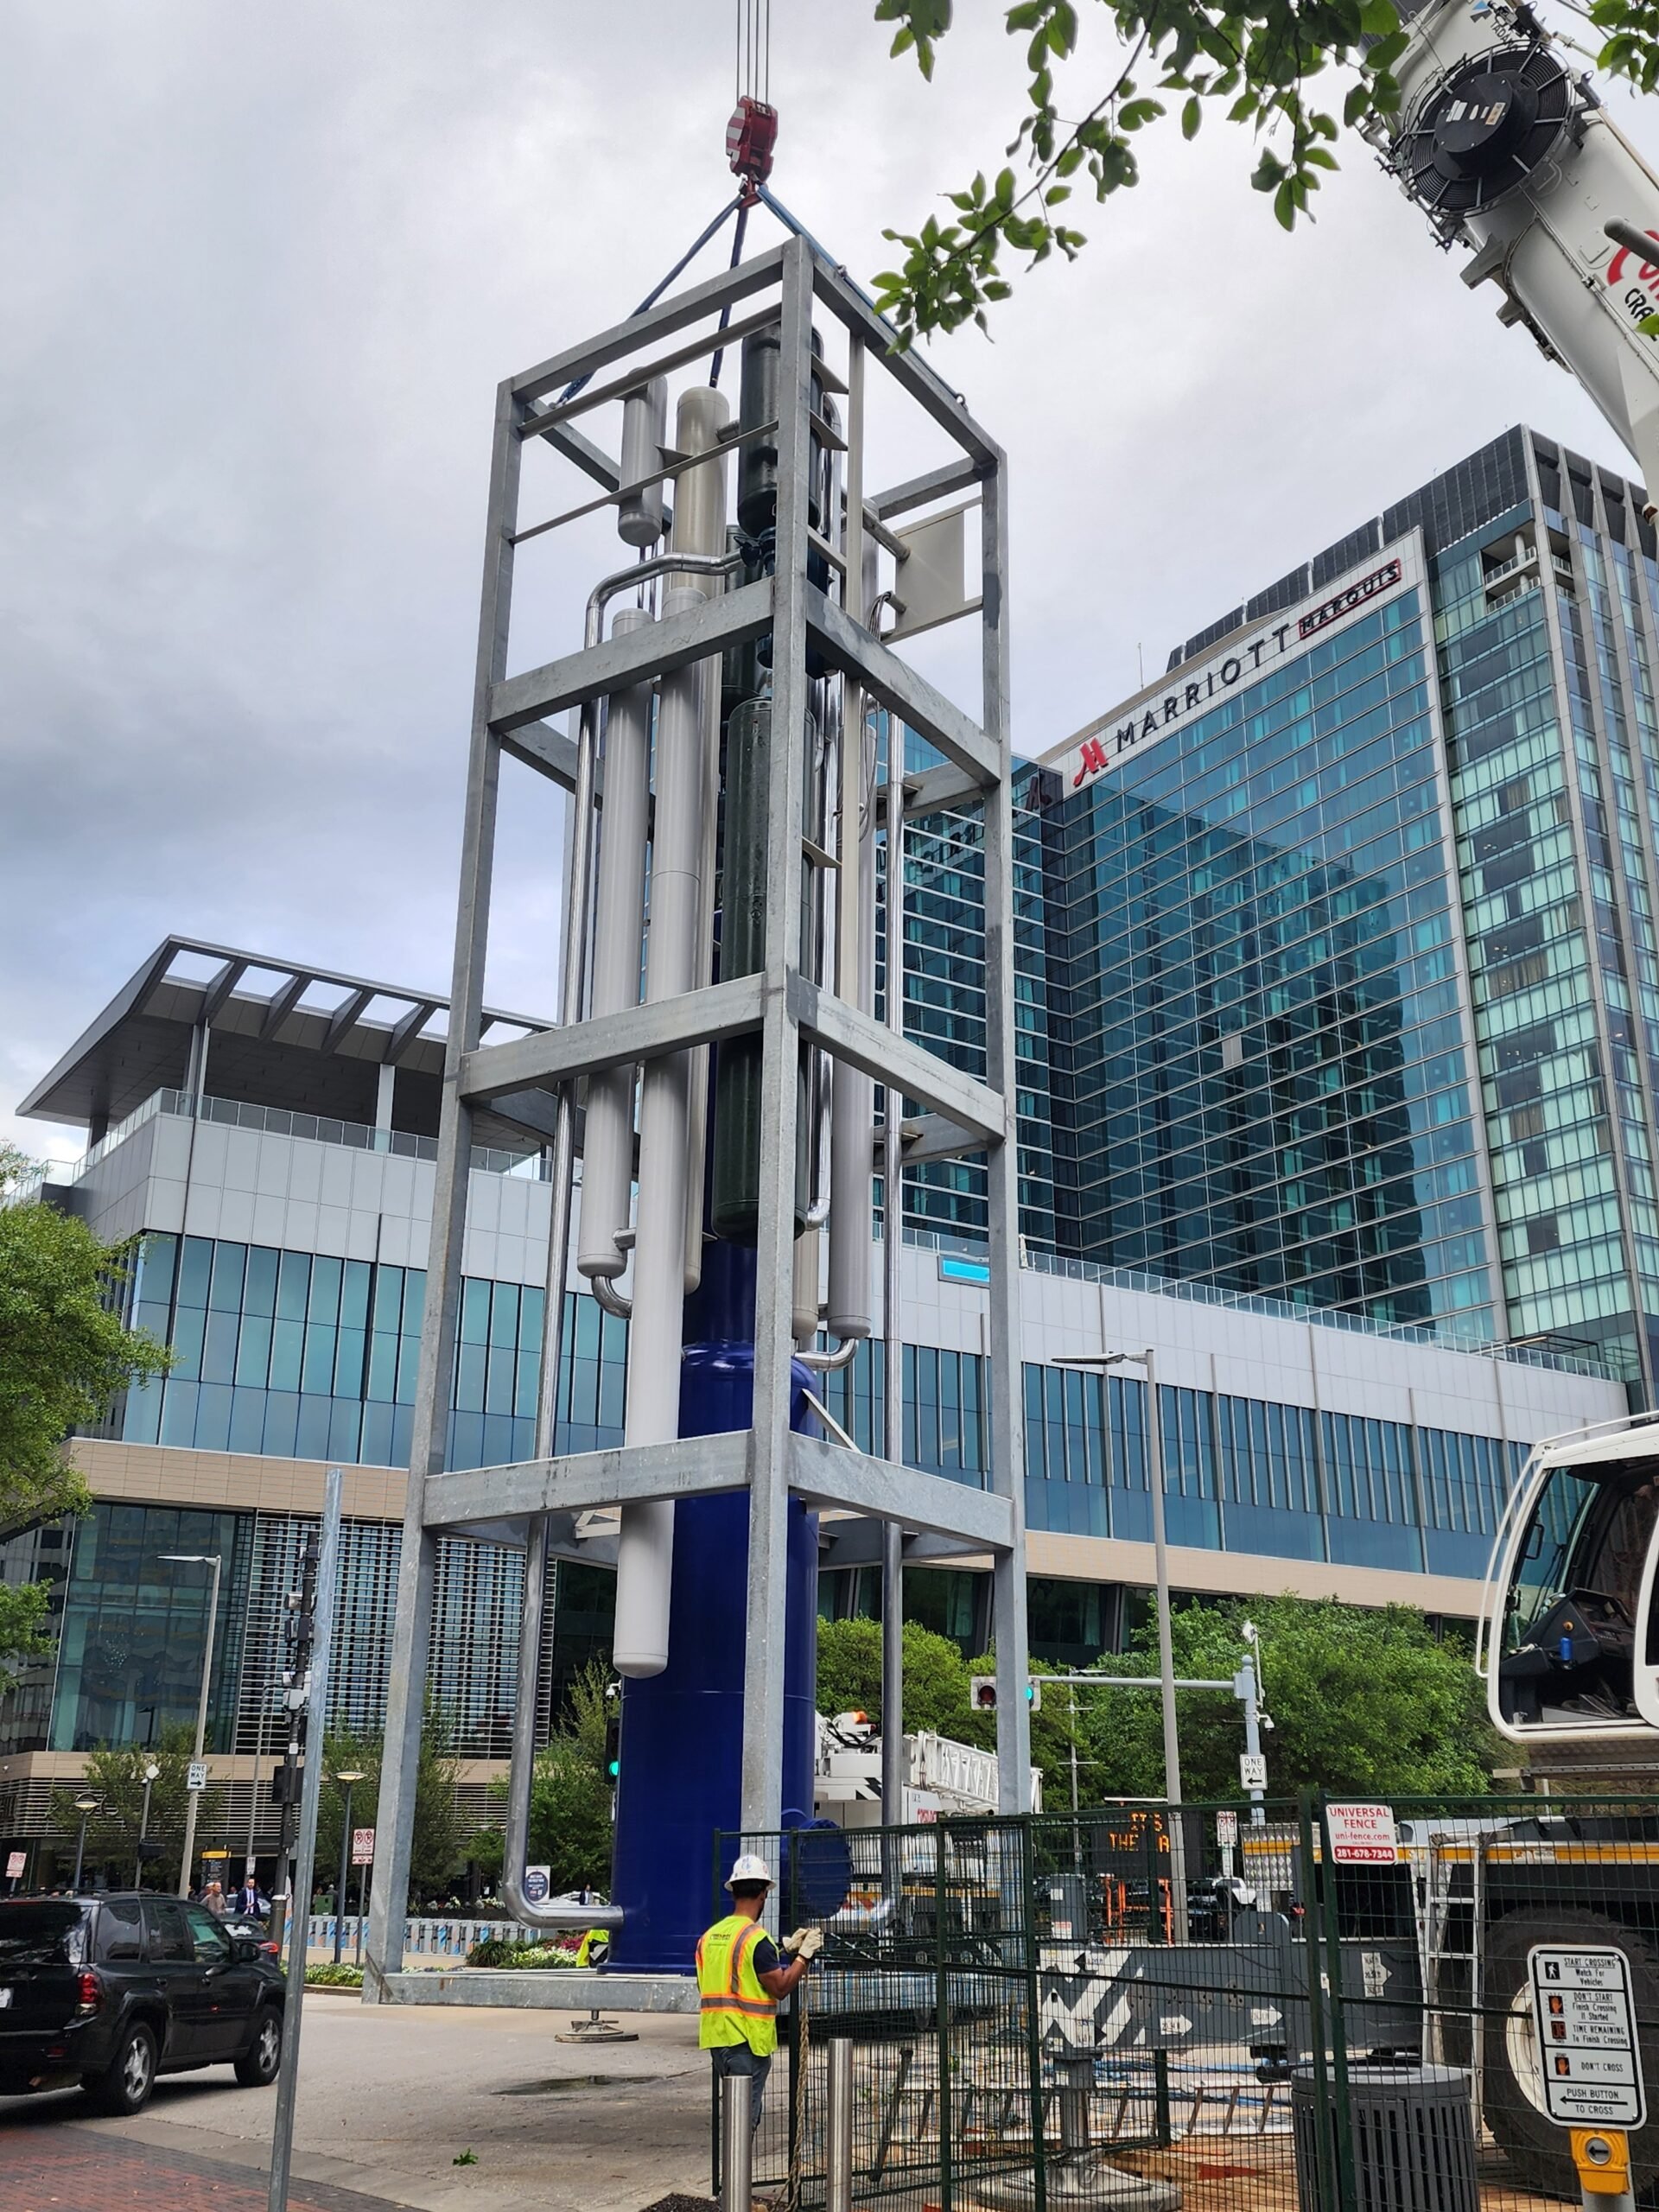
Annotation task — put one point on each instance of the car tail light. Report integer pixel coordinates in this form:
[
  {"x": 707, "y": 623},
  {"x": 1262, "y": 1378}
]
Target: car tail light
[{"x": 89, "y": 1993}]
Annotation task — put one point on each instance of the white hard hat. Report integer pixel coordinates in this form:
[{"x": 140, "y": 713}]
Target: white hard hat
[{"x": 748, "y": 1868}]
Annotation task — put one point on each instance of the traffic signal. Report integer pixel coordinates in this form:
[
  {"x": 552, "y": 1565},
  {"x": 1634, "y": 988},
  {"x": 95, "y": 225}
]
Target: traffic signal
[
  {"x": 613, "y": 1747},
  {"x": 982, "y": 1693}
]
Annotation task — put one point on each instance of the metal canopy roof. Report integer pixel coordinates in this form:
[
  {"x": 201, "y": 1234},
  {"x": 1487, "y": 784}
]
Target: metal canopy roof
[{"x": 280, "y": 1035}]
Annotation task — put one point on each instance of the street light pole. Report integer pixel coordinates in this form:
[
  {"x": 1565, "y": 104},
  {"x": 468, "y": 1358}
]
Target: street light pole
[
  {"x": 85, "y": 1807},
  {"x": 1147, "y": 1360},
  {"x": 346, "y": 1777},
  {"x": 214, "y": 1560},
  {"x": 150, "y": 1773}
]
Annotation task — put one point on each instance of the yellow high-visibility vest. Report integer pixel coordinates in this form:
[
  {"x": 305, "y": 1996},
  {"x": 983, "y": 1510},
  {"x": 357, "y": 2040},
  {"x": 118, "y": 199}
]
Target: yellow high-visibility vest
[{"x": 734, "y": 2007}]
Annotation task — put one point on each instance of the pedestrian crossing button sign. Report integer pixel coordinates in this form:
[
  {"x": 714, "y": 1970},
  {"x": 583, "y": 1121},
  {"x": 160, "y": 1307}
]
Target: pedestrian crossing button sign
[{"x": 1585, "y": 2021}]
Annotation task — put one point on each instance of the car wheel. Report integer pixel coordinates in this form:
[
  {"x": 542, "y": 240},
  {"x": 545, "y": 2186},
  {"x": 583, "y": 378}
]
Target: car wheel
[
  {"x": 256, "y": 2067},
  {"x": 126, "y": 2082}
]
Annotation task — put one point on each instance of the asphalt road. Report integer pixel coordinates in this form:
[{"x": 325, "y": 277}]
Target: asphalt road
[{"x": 390, "y": 2096}]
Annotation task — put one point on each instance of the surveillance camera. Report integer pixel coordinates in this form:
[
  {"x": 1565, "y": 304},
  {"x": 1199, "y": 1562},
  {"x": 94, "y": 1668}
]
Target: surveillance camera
[
  {"x": 1266, "y": 1719},
  {"x": 1249, "y": 1631}
]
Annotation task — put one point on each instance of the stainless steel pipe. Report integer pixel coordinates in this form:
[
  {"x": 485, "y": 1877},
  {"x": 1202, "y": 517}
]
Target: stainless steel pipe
[
  {"x": 736, "y": 2144},
  {"x": 838, "y": 2142}
]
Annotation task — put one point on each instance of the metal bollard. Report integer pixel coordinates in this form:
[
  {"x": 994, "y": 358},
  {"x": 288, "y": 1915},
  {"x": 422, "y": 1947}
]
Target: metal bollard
[
  {"x": 838, "y": 2147},
  {"x": 1076, "y": 2072},
  {"x": 736, "y": 2145}
]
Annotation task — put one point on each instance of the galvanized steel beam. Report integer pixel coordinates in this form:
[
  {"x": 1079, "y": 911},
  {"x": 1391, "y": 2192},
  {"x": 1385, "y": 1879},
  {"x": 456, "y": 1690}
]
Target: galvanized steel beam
[
  {"x": 858, "y": 1037},
  {"x": 620, "y": 662},
  {"x": 828, "y": 1475},
  {"x": 613, "y": 1040},
  {"x": 640, "y": 332},
  {"x": 849, "y": 646},
  {"x": 577, "y": 1482}
]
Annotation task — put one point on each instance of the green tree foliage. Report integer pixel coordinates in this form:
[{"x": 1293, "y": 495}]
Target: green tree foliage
[
  {"x": 937, "y": 1679},
  {"x": 570, "y": 1794},
  {"x": 22, "y": 1618},
  {"x": 1366, "y": 1704},
  {"x": 437, "y": 1846},
  {"x": 1260, "y": 62},
  {"x": 63, "y": 1353},
  {"x": 116, "y": 1778}
]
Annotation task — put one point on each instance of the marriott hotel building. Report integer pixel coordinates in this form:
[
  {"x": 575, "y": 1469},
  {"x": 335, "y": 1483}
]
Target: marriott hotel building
[
  {"x": 1339, "y": 1025},
  {"x": 1356, "y": 974}
]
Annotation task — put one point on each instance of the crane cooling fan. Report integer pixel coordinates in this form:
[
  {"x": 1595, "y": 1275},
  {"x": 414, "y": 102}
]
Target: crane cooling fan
[{"x": 1491, "y": 122}]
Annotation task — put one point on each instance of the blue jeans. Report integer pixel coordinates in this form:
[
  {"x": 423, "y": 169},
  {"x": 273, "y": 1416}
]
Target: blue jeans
[{"x": 738, "y": 2058}]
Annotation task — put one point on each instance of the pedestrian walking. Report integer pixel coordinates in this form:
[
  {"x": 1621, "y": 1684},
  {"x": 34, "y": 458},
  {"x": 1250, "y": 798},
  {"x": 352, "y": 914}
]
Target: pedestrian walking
[{"x": 741, "y": 1978}]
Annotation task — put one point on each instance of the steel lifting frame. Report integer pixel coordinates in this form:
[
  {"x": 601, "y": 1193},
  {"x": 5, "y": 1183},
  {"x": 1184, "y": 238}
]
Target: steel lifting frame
[{"x": 505, "y": 1504}]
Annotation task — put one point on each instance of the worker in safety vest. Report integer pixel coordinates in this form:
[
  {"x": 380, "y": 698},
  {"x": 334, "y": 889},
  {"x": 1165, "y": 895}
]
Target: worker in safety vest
[{"x": 741, "y": 1979}]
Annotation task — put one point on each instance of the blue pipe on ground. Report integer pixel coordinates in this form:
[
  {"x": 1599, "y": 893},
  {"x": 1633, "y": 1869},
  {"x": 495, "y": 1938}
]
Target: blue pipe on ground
[{"x": 680, "y": 1779}]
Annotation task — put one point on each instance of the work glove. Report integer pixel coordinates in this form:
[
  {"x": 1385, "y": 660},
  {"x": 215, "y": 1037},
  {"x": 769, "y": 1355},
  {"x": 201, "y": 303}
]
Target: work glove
[{"x": 805, "y": 1942}]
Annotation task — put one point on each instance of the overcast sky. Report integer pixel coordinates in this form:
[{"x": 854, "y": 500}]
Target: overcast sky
[{"x": 262, "y": 270}]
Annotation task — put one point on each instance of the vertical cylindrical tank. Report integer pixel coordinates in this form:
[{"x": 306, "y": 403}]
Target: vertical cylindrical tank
[
  {"x": 673, "y": 966},
  {"x": 644, "y": 422},
  {"x": 618, "y": 922},
  {"x": 853, "y": 1093}
]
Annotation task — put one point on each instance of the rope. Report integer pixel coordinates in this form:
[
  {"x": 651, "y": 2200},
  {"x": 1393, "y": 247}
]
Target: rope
[
  {"x": 797, "y": 2091},
  {"x": 753, "y": 73},
  {"x": 726, "y": 312},
  {"x": 656, "y": 290}
]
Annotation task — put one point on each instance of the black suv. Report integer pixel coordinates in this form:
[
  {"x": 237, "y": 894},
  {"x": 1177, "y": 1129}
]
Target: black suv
[{"x": 109, "y": 1991}]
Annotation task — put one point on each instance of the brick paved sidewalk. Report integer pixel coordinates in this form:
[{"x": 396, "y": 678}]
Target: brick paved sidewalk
[{"x": 68, "y": 2168}]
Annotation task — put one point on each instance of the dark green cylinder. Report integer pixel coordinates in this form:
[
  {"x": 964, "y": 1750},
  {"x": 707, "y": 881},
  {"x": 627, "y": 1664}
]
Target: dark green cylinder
[{"x": 734, "y": 1183}]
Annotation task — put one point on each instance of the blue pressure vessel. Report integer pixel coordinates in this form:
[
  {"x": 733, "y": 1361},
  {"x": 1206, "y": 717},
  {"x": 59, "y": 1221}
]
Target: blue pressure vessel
[{"x": 680, "y": 1778}]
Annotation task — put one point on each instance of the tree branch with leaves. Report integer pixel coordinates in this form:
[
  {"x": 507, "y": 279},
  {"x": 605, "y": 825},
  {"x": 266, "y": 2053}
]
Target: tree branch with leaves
[
  {"x": 1261, "y": 64},
  {"x": 65, "y": 1351}
]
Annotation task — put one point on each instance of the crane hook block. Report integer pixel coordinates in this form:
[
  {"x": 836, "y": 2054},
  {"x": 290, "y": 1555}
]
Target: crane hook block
[{"x": 750, "y": 137}]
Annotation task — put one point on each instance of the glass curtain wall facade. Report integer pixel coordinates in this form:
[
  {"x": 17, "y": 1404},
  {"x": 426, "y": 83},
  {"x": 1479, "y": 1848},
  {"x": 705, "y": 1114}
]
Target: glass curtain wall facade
[
  {"x": 1241, "y": 1474},
  {"x": 1352, "y": 980},
  {"x": 1268, "y": 1065},
  {"x": 944, "y": 989}
]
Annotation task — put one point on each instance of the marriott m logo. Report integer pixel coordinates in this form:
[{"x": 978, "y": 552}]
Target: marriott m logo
[{"x": 1091, "y": 759}]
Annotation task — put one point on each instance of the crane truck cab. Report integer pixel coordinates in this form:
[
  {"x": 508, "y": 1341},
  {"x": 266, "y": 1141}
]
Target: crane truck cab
[{"x": 1569, "y": 1644}]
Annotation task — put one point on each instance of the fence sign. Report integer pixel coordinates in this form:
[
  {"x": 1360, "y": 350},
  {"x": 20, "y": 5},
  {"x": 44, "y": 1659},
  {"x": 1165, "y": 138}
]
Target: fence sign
[
  {"x": 1361, "y": 1835},
  {"x": 1587, "y": 2051},
  {"x": 195, "y": 1775},
  {"x": 362, "y": 1846}
]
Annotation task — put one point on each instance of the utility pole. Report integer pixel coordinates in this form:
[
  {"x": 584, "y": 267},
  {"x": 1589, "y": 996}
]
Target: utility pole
[
  {"x": 1147, "y": 1360},
  {"x": 299, "y": 1632},
  {"x": 322, "y": 1577},
  {"x": 150, "y": 1772},
  {"x": 1248, "y": 1690},
  {"x": 187, "y": 1864}
]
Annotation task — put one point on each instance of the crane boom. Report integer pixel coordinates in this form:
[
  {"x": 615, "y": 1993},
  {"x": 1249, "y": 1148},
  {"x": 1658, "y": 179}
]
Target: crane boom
[{"x": 1513, "y": 157}]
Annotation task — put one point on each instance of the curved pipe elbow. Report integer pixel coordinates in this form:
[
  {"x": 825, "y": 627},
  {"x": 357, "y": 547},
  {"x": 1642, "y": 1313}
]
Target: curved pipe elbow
[
  {"x": 565, "y": 1918},
  {"x": 609, "y": 1299},
  {"x": 827, "y": 1363}
]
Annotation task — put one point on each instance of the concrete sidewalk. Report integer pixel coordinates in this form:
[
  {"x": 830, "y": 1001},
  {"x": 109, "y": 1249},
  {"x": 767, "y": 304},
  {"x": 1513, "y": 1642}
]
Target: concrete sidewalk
[{"x": 389, "y": 2097}]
